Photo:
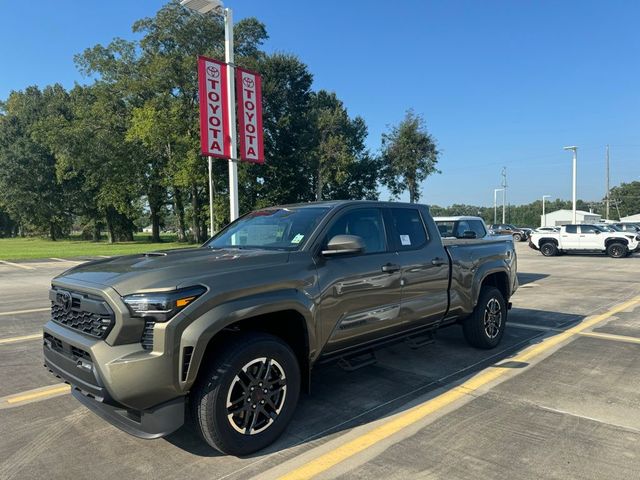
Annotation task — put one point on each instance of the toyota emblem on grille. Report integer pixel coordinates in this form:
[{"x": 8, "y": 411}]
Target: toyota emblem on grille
[{"x": 64, "y": 299}]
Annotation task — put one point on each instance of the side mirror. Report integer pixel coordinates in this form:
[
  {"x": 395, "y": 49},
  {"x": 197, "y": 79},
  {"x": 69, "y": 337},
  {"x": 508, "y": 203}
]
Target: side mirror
[
  {"x": 598, "y": 232},
  {"x": 343, "y": 244},
  {"x": 469, "y": 235}
]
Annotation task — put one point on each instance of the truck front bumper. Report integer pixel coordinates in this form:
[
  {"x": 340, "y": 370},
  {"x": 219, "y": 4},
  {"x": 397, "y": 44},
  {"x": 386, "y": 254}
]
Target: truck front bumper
[{"x": 76, "y": 360}]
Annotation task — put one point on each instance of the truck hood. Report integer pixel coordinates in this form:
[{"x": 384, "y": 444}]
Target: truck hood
[{"x": 169, "y": 269}]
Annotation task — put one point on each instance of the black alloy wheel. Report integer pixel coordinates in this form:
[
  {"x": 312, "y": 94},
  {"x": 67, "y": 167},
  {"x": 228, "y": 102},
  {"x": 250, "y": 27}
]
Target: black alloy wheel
[{"x": 246, "y": 394}]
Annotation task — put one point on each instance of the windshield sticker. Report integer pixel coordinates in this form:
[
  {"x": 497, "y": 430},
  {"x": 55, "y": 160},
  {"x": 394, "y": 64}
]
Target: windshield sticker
[
  {"x": 405, "y": 240},
  {"x": 298, "y": 238}
]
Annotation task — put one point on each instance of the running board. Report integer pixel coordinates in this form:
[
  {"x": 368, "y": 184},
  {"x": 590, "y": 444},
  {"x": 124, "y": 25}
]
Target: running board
[
  {"x": 419, "y": 341},
  {"x": 358, "y": 360}
]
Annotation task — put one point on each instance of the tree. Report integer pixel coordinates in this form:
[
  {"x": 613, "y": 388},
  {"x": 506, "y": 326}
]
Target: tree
[
  {"x": 626, "y": 198},
  {"x": 29, "y": 188},
  {"x": 91, "y": 150},
  {"x": 409, "y": 156},
  {"x": 342, "y": 167},
  {"x": 157, "y": 77}
]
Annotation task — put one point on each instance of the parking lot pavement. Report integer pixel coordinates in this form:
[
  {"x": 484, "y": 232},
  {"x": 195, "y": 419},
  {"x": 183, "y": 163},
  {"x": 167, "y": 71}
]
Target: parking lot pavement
[{"x": 555, "y": 400}]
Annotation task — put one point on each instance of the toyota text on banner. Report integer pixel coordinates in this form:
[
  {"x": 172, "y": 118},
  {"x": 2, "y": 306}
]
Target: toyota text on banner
[
  {"x": 215, "y": 140},
  {"x": 249, "y": 87}
]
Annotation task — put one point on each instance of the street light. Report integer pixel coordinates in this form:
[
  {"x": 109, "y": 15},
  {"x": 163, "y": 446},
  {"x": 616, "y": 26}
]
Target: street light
[
  {"x": 495, "y": 205},
  {"x": 575, "y": 174},
  {"x": 203, "y": 7},
  {"x": 544, "y": 215}
]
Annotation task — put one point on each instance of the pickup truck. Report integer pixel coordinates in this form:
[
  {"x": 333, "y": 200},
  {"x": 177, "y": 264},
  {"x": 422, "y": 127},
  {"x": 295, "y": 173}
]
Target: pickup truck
[
  {"x": 585, "y": 238},
  {"x": 230, "y": 331}
]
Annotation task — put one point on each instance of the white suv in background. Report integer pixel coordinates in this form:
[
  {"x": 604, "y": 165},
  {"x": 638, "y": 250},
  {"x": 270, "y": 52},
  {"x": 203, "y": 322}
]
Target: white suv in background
[{"x": 585, "y": 238}]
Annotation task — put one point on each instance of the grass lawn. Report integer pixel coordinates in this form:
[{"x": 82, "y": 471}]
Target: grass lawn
[{"x": 33, "y": 247}]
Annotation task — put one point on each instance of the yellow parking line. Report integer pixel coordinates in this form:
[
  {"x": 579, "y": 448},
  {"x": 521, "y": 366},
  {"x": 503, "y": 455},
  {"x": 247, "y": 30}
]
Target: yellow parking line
[
  {"x": 357, "y": 445},
  {"x": 611, "y": 336},
  {"x": 19, "y": 312},
  {"x": 11, "y": 264},
  {"x": 23, "y": 338},
  {"x": 35, "y": 394}
]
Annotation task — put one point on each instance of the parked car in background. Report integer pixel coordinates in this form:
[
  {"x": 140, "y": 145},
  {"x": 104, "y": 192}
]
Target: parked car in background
[
  {"x": 519, "y": 235},
  {"x": 463, "y": 227},
  {"x": 627, "y": 227},
  {"x": 585, "y": 238}
]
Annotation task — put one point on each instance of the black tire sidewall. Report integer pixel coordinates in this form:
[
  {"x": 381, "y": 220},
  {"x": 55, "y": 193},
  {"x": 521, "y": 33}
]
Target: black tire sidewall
[
  {"x": 474, "y": 326},
  {"x": 517, "y": 237},
  {"x": 617, "y": 244},
  {"x": 552, "y": 252},
  {"x": 226, "y": 438}
]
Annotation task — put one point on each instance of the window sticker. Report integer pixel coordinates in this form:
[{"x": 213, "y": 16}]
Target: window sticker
[
  {"x": 298, "y": 238},
  {"x": 405, "y": 240}
]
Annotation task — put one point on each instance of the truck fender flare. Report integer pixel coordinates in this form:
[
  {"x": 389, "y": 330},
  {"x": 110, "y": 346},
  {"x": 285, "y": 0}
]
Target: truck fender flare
[
  {"x": 482, "y": 274},
  {"x": 201, "y": 331}
]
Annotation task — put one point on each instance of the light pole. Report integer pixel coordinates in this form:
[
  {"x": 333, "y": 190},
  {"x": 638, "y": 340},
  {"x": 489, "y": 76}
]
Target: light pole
[
  {"x": 203, "y": 7},
  {"x": 495, "y": 204},
  {"x": 575, "y": 175},
  {"x": 544, "y": 214}
]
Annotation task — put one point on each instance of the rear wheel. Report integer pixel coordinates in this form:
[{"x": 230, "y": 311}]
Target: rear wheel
[
  {"x": 617, "y": 250},
  {"x": 485, "y": 327},
  {"x": 549, "y": 249},
  {"x": 247, "y": 395}
]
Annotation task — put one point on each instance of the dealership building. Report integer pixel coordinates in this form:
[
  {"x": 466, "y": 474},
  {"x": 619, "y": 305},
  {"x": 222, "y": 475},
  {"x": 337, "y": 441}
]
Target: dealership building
[{"x": 563, "y": 217}]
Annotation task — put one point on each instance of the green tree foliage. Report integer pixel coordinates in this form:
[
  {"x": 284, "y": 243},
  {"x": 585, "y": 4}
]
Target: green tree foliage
[
  {"x": 409, "y": 156},
  {"x": 625, "y": 199},
  {"x": 341, "y": 165},
  {"x": 30, "y": 191}
]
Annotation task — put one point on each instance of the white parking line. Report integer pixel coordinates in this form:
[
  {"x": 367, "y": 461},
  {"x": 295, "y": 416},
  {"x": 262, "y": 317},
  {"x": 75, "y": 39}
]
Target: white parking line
[
  {"x": 23, "y": 338},
  {"x": 11, "y": 264},
  {"x": 20, "y": 312},
  {"x": 66, "y": 260}
]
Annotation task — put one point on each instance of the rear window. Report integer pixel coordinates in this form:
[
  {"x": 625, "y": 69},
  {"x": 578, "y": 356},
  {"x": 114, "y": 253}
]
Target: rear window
[
  {"x": 409, "y": 228},
  {"x": 571, "y": 228}
]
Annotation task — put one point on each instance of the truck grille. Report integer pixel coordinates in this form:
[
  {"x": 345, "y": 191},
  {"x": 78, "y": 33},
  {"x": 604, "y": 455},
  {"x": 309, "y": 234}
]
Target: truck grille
[
  {"x": 147, "y": 335},
  {"x": 87, "y": 315}
]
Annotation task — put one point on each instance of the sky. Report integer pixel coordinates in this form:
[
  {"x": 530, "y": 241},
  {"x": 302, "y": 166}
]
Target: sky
[{"x": 499, "y": 83}]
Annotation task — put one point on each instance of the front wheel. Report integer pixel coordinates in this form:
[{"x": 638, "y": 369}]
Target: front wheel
[
  {"x": 517, "y": 237},
  {"x": 617, "y": 250},
  {"x": 247, "y": 395},
  {"x": 548, "y": 249},
  {"x": 485, "y": 327}
]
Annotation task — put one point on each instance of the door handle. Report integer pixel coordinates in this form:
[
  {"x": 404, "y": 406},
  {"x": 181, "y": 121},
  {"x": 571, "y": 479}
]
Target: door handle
[
  {"x": 438, "y": 261},
  {"x": 390, "y": 268}
]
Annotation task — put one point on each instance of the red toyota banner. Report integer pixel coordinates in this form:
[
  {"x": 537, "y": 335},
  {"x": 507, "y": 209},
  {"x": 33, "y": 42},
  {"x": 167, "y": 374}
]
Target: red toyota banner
[
  {"x": 249, "y": 86},
  {"x": 215, "y": 140}
]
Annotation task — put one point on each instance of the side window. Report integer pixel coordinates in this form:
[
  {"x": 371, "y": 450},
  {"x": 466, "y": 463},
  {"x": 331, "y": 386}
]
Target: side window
[
  {"x": 587, "y": 229},
  {"x": 478, "y": 227},
  {"x": 463, "y": 226},
  {"x": 571, "y": 229},
  {"x": 445, "y": 228},
  {"x": 409, "y": 228},
  {"x": 366, "y": 223}
]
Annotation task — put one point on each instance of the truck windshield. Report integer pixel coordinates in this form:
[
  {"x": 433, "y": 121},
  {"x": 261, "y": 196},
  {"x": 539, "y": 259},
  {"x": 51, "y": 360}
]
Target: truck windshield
[{"x": 271, "y": 228}]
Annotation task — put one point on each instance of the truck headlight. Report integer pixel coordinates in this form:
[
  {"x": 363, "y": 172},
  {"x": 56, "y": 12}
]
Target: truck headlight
[{"x": 162, "y": 306}]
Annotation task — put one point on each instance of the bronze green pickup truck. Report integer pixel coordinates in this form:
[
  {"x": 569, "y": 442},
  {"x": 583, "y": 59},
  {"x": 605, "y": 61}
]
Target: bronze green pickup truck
[{"x": 230, "y": 331}]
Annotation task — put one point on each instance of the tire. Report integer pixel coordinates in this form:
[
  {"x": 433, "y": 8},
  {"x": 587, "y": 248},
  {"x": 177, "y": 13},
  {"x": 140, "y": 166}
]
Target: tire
[
  {"x": 617, "y": 250},
  {"x": 236, "y": 376},
  {"x": 517, "y": 237},
  {"x": 483, "y": 329},
  {"x": 549, "y": 249}
]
